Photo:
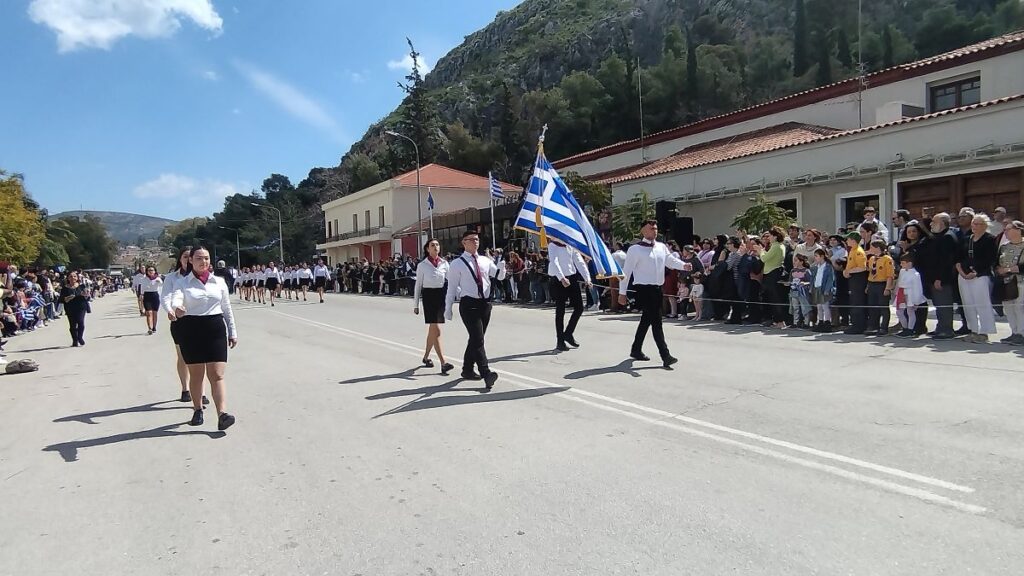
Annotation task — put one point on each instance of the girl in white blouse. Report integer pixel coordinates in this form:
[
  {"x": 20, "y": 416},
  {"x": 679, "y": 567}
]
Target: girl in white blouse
[
  {"x": 170, "y": 285},
  {"x": 430, "y": 287},
  {"x": 151, "y": 285},
  {"x": 202, "y": 304}
]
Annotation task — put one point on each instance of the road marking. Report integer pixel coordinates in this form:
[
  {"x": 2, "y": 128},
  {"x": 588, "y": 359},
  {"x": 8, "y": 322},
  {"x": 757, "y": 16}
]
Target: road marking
[{"x": 665, "y": 420}]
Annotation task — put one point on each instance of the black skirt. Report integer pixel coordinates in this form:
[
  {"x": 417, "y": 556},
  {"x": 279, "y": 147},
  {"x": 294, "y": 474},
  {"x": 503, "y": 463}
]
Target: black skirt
[
  {"x": 176, "y": 332},
  {"x": 321, "y": 282},
  {"x": 287, "y": 284},
  {"x": 306, "y": 281},
  {"x": 150, "y": 301},
  {"x": 271, "y": 284},
  {"x": 433, "y": 305},
  {"x": 247, "y": 283},
  {"x": 203, "y": 339}
]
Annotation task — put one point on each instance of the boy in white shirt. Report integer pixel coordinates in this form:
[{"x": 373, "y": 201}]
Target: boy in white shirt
[{"x": 909, "y": 295}]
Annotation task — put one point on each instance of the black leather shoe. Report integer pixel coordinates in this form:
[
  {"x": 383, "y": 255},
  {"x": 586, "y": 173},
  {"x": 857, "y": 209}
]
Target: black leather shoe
[
  {"x": 562, "y": 347},
  {"x": 470, "y": 375},
  {"x": 206, "y": 401},
  {"x": 668, "y": 361},
  {"x": 572, "y": 342},
  {"x": 427, "y": 362},
  {"x": 197, "y": 418},
  {"x": 963, "y": 331},
  {"x": 489, "y": 380},
  {"x": 943, "y": 336},
  {"x": 225, "y": 421},
  {"x": 446, "y": 368},
  {"x": 186, "y": 396},
  {"x": 639, "y": 356}
]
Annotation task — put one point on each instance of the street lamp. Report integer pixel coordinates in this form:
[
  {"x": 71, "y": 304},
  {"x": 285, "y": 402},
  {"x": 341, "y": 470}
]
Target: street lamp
[
  {"x": 280, "y": 229},
  {"x": 238, "y": 247},
  {"x": 419, "y": 203}
]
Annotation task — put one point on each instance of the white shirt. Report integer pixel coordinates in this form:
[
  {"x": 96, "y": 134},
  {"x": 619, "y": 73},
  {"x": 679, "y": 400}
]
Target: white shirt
[
  {"x": 151, "y": 284},
  {"x": 620, "y": 258},
  {"x": 462, "y": 279},
  {"x": 208, "y": 299},
  {"x": 910, "y": 282},
  {"x": 261, "y": 275},
  {"x": 883, "y": 232},
  {"x": 320, "y": 271},
  {"x": 273, "y": 273},
  {"x": 305, "y": 274},
  {"x": 429, "y": 276},
  {"x": 137, "y": 280},
  {"x": 647, "y": 265},
  {"x": 170, "y": 285},
  {"x": 564, "y": 261},
  {"x": 819, "y": 276}
]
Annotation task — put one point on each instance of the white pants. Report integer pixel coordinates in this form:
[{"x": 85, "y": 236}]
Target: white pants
[
  {"x": 1014, "y": 309},
  {"x": 976, "y": 294}
]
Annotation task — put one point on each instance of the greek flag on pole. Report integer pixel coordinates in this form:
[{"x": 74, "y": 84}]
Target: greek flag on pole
[
  {"x": 496, "y": 191},
  {"x": 562, "y": 218},
  {"x": 430, "y": 200}
]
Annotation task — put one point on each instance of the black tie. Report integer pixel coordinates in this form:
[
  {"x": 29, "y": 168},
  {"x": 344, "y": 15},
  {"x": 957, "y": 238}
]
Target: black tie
[{"x": 648, "y": 244}]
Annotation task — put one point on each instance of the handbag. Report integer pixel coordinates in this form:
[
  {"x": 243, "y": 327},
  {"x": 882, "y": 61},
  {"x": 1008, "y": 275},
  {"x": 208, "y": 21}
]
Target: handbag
[{"x": 1005, "y": 288}]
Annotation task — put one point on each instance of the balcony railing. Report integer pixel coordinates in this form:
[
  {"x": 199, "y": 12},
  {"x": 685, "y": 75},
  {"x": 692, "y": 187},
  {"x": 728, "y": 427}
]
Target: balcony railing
[{"x": 359, "y": 233}]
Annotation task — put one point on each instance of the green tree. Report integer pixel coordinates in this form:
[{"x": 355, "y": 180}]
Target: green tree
[
  {"x": 692, "y": 79},
  {"x": 92, "y": 246},
  {"x": 824, "y": 49},
  {"x": 843, "y": 49},
  {"x": 469, "y": 153},
  {"x": 21, "y": 227},
  {"x": 419, "y": 118},
  {"x": 364, "y": 172},
  {"x": 762, "y": 215},
  {"x": 53, "y": 250},
  {"x": 589, "y": 194},
  {"x": 801, "y": 62},
  {"x": 628, "y": 218},
  {"x": 888, "y": 58}
]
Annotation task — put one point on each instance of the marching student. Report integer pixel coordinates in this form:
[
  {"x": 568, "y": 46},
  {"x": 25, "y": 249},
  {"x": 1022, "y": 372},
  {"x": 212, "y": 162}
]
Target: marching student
[
  {"x": 202, "y": 305},
  {"x": 261, "y": 279},
  {"x": 273, "y": 281},
  {"x": 470, "y": 276},
  {"x": 431, "y": 274},
  {"x": 151, "y": 286},
  {"x": 170, "y": 285},
  {"x": 246, "y": 284},
  {"x": 321, "y": 276},
  {"x": 305, "y": 280},
  {"x": 646, "y": 262},
  {"x": 288, "y": 274},
  {"x": 567, "y": 270},
  {"x": 140, "y": 275}
]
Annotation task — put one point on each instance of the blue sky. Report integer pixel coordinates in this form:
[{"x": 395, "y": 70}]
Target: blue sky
[{"x": 163, "y": 107}]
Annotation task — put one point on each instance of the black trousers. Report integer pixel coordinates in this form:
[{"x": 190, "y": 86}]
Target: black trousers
[
  {"x": 772, "y": 296},
  {"x": 878, "y": 317},
  {"x": 476, "y": 315},
  {"x": 76, "y": 323},
  {"x": 858, "y": 284},
  {"x": 648, "y": 299},
  {"x": 563, "y": 294}
]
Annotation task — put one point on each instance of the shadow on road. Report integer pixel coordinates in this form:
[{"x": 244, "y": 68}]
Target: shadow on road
[
  {"x": 521, "y": 357},
  {"x": 152, "y": 407},
  {"x": 428, "y": 400},
  {"x": 48, "y": 348},
  {"x": 115, "y": 336},
  {"x": 404, "y": 375},
  {"x": 624, "y": 367},
  {"x": 69, "y": 450}
]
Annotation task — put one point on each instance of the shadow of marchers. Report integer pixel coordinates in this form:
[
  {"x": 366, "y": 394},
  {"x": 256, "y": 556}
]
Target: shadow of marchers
[
  {"x": 440, "y": 402},
  {"x": 69, "y": 450},
  {"x": 404, "y": 375},
  {"x": 425, "y": 391},
  {"x": 151, "y": 407},
  {"x": 116, "y": 336},
  {"x": 624, "y": 367},
  {"x": 523, "y": 356},
  {"x": 30, "y": 350}
]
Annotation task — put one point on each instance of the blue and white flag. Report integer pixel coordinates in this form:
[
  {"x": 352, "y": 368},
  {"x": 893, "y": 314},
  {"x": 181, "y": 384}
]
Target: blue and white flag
[
  {"x": 550, "y": 210},
  {"x": 496, "y": 191},
  {"x": 430, "y": 200}
]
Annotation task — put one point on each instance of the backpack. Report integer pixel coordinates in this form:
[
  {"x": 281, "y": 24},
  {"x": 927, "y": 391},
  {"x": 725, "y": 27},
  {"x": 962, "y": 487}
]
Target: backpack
[{"x": 18, "y": 366}]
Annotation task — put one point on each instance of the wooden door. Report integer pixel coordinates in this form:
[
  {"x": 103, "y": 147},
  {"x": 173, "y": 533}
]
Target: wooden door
[
  {"x": 934, "y": 195},
  {"x": 985, "y": 192}
]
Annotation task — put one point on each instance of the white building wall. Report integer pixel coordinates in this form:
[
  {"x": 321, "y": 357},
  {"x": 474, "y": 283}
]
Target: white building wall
[{"x": 1001, "y": 76}]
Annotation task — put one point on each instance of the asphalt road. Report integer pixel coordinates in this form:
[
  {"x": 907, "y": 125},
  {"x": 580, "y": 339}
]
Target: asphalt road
[{"x": 761, "y": 454}]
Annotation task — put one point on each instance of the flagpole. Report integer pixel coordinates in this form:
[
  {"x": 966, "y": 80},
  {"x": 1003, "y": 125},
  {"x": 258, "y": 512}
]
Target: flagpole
[
  {"x": 494, "y": 231},
  {"x": 431, "y": 211}
]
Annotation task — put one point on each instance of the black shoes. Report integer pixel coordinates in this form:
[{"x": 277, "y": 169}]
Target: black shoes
[
  {"x": 186, "y": 396},
  {"x": 446, "y": 368},
  {"x": 225, "y": 421},
  {"x": 470, "y": 375},
  {"x": 963, "y": 331},
  {"x": 572, "y": 342},
  {"x": 668, "y": 361},
  {"x": 197, "y": 418},
  {"x": 74, "y": 343},
  {"x": 81, "y": 341},
  {"x": 489, "y": 380},
  {"x": 205, "y": 400},
  {"x": 562, "y": 347},
  {"x": 427, "y": 362},
  {"x": 906, "y": 334},
  {"x": 853, "y": 332},
  {"x": 943, "y": 336},
  {"x": 639, "y": 356}
]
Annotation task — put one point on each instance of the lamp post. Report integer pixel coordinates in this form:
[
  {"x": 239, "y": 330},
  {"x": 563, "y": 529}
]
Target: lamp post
[
  {"x": 419, "y": 203},
  {"x": 280, "y": 229},
  {"x": 238, "y": 247}
]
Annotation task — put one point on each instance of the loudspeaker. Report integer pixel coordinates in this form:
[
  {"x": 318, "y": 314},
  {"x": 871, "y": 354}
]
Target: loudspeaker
[
  {"x": 664, "y": 213},
  {"x": 682, "y": 231}
]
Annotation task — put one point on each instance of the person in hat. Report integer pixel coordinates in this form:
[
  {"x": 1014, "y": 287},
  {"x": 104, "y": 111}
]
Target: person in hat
[
  {"x": 469, "y": 278},
  {"x": 856, "y": 274}
]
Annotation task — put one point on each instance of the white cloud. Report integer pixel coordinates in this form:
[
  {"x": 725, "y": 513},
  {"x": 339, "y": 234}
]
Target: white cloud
[
  {"x": 206, "y": 194},
  {"x": 101, "y": 23},
  {"x": 406, "y": 64},
  {"x": 211, "y": 75},
  {"x": 357, "y": 77},
  {"x": 290, "y": 99}
]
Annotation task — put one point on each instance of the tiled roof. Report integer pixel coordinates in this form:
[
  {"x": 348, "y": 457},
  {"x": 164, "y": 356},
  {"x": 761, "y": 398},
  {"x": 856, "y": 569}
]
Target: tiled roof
[
  {"x": 768, "y": 140},
  {"x": 989, "y": 48},
  {"x": 437, "y": 176}
]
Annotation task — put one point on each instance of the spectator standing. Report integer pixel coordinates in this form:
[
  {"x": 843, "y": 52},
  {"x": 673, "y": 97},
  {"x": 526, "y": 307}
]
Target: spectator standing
[
  {"x": 856, "y": 274},
  {"x": 1010, "y": 255},
  {"x": 881, "y": 277},
  {"x": 976, "y": 262},
  {"x": 75, "y": 297},
  {"x": 940, "y": 275}
]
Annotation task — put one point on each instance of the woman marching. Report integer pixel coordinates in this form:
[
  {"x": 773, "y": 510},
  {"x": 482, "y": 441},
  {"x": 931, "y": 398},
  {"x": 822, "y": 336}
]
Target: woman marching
[
  {"x": 171, "y": 282},
  {"x": 74, "y": 296},
  {"x": 430, "y": 287},
  {"x": 288, "y": 286},
  {"x": 321, "y": 276},
  {"x": 261, "y": 279},
  {"x": 305, "y": 280},
  {"x": 152, "y": 285},
  {"x": 202, "y": 304},
  {"x": 273, "y": 282}
]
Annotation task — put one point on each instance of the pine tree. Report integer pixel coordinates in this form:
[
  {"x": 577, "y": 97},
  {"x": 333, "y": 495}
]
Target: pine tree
[
  {"x": 692, "y": 87},
  {"x": 843, "y": 50},
  {"x": 420, "y": 120},
  {"x": 824, "y": 76},
  {"x": 800, "y": 60},
  {"x": 887, "y": 53}
]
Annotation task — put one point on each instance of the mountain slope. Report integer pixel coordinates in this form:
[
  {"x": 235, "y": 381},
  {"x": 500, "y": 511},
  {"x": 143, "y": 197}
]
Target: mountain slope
[{"x": 124, "y": 227}]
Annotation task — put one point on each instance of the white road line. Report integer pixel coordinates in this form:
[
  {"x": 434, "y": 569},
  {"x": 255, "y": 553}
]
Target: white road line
[{"x": 664, "y": 421}]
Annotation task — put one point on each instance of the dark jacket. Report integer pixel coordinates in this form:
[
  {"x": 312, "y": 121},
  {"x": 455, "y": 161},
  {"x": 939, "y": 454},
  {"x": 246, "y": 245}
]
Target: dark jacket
[{"x": 940, "y": 258}]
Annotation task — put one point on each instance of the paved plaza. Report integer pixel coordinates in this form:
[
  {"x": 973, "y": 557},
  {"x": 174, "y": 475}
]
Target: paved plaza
[{"x": 762, "y": 453}]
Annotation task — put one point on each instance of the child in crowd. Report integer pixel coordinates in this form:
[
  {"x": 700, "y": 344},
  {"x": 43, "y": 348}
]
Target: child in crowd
[
  {"x": 881, "y": 278},
  {"x": 697, "y": 295},
  {"x": 683, "y": 296},
  {"x": 909, "y": 295},
  {"x": 823, "y": 289},
  {"x": 800, "y": 292}
]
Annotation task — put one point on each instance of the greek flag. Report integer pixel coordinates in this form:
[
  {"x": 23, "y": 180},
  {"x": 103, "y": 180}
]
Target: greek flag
[
  {"x": 549, "y": 209},
  {"x": 496, "y": 191},
  {"x": 430, "y": 200}
]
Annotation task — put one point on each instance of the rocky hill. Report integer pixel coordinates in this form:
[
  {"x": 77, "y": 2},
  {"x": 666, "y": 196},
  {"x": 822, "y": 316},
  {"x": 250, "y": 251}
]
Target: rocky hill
[{"x": 123, "y": 227}]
